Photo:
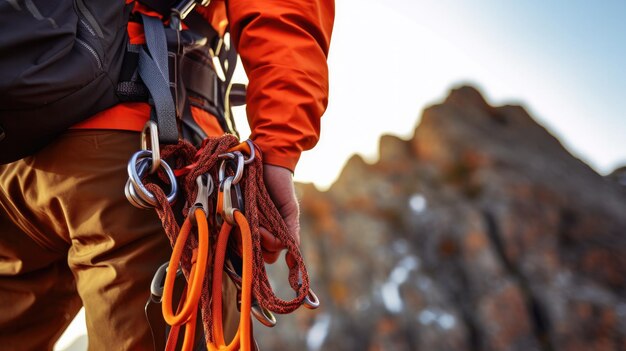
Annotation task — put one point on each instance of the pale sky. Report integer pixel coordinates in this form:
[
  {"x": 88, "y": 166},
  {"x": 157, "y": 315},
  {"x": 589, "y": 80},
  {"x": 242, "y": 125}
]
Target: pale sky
[{"x": 564, "y": 60}]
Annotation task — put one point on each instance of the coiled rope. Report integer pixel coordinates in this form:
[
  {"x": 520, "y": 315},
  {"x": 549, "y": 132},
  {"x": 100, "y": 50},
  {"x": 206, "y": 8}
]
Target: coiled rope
[{"x": 190, "y": 245}]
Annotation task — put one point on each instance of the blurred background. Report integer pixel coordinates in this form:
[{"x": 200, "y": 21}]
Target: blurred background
[{"x": 466, "y": 193}]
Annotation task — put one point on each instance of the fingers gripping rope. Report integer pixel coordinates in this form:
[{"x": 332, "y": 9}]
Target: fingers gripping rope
[{"x": 261, "y": 212}]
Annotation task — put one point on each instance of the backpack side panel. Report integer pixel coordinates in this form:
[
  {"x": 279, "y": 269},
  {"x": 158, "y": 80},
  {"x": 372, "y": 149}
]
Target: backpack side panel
[{"x": 59, "y": 64}]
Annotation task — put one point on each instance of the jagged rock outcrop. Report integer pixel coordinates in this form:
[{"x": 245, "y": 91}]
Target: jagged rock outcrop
[
  {"x": 618, "y": 176},
  {"x": 480, "y": 233}
]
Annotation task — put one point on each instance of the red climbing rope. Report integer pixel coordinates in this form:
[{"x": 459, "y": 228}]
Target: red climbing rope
[{"x": 259, "y": 211}]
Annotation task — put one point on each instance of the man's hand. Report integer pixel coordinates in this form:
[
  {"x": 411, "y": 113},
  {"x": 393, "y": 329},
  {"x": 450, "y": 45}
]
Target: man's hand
[{"x": 279, "y": 184}]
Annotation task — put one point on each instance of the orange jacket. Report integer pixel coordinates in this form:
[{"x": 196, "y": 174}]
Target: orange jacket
[{"x": 283, "y": 45}]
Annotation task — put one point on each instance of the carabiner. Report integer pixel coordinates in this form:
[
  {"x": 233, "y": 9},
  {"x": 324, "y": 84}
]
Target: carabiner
[
  {"x": 129, "y": 190},
  {"x": 227, "y": 211},
  {"x": 225, "y": 207},
  {"x": 252, "y": 152},
  {"x": 238, "y": 169},
  {"x": 263, "y": 315},
  {"x": 135, "y": 178},
  {"x": 158, "y": 280},
  {"x": 151, "y": 127},
  {"x": 205, "y": 189},
  {"x": 244, "y": 147},
  {"x": 311, "y": 301}
]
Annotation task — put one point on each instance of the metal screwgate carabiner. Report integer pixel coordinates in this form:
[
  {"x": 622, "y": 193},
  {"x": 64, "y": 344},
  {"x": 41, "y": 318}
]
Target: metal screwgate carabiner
[{"x": 135, "y": 191}]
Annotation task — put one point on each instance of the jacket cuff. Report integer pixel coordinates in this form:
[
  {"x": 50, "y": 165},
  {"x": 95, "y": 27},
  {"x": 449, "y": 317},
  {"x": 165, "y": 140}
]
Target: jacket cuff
[{"x": 278, "y": 156}]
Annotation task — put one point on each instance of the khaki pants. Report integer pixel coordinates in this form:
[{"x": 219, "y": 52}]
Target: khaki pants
[{"x": 69, "y": 238}]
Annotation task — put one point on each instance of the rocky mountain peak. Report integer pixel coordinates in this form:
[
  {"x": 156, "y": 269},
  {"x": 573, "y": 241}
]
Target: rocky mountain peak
[
  {"x": 466, "y": 96},
  {"x": 481, "y": 232}
]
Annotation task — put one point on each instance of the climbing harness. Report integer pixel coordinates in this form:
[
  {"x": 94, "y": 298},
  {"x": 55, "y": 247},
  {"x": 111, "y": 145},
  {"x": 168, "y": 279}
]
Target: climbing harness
[{"x": 221, "y": 188}]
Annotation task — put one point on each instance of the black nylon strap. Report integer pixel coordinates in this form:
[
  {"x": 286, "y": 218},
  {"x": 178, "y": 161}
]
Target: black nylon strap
[
  {"x": 199, "y": 25},
  {"x": 129, "y": 65},
  {"x": 154, "y": 71},
  {"x": 201, "y": 79}
]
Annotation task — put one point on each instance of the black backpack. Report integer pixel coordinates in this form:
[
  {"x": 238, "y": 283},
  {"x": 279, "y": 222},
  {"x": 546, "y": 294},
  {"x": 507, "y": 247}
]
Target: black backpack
[{"x": 63, "y": 61}]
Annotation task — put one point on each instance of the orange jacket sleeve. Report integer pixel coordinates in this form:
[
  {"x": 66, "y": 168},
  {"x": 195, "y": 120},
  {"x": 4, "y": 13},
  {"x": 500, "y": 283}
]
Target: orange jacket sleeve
[{"x": 283, "y": 45}]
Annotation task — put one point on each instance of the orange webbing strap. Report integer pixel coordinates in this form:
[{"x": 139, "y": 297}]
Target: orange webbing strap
[
  {"x": 187, "y": 312},
  {"x": 243, "y": 337},
  {"x": 243, "y": 147}
]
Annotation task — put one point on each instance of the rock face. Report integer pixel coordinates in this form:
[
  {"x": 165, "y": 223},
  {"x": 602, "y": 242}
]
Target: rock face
[{"x": 480, "y": 233}]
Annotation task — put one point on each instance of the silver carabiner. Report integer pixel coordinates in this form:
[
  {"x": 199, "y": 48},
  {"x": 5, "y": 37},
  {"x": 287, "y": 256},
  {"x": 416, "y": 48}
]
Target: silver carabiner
[
  {"x": 133, "y": 198},
  {"x": 239, "y": 163},
  {"x": 151, "y": 127},
  {"x": 228, "y": 211},
  {"x": 311, "y": 301},
  {"x": 263, "y": 315},
  {"x": 228, "y": 208},
  {"x": 136, "y": 180},
  {"x": 205, "y": 189},
  {"x": 158, "y": 282},
  {"x": 246, "y": 160},
  {"x": 129, "y": 190},
  {"x": 252, "y": 152}
]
